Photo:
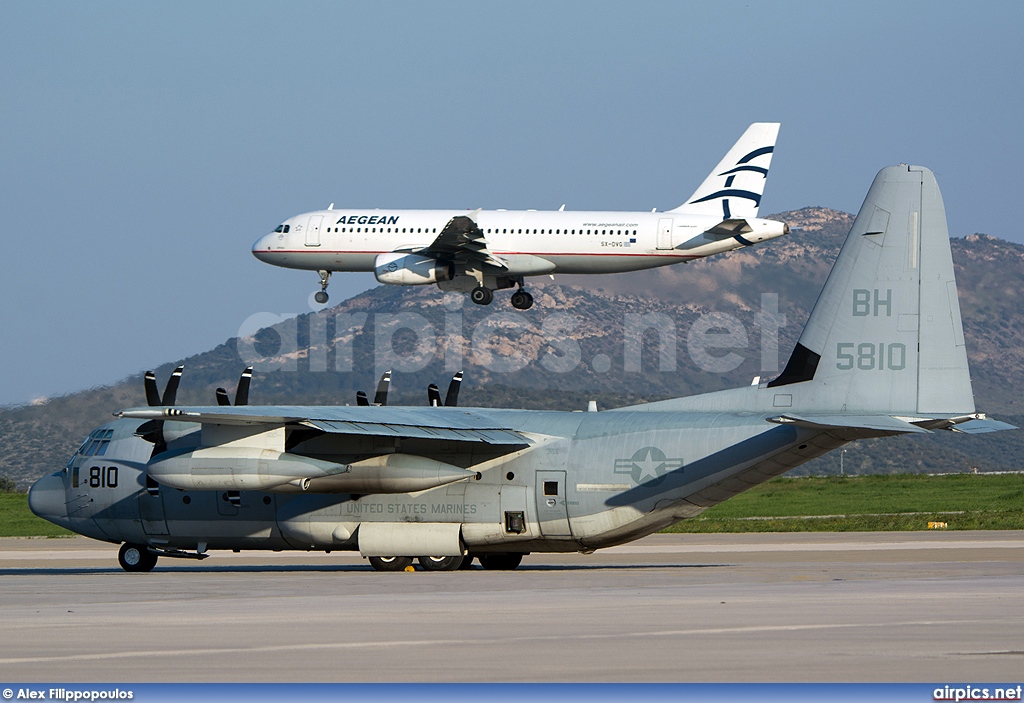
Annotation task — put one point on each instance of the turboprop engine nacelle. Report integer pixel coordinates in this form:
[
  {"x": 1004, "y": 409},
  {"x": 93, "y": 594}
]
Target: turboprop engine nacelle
[
  {"x": 253, "y": 469},
  {"x": 401, "y": 269}
]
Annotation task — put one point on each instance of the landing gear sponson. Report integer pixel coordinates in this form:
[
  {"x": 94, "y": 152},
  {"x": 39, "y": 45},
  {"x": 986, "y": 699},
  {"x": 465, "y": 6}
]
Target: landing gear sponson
[{"x": 490, "y": 562}]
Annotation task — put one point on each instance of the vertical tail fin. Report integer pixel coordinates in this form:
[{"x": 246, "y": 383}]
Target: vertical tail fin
[
  {"x": 734, "y": 188},
  {"x": 885, "y": 335}
]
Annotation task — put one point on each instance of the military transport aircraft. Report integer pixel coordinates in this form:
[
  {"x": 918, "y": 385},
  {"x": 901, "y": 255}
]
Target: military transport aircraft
[
  {"x": 488, "y": 250},
  {"x": 882, "y": 354}
]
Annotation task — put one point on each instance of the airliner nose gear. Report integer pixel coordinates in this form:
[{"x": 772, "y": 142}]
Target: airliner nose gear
[
  {"x": 322, "y": 296},
  {"x": 481, "y": 295}
]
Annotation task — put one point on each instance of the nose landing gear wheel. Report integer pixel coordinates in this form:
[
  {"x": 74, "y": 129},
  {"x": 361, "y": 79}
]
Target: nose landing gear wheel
[
  {"x": 390, "y": 563},
  {"x": 135, "y": 557},
  {"x": 441, "y": 563},
  {"x": 322, "y": 297},
  {"x": 521, "y": 300},
  {"x": 481, "y": 295}
]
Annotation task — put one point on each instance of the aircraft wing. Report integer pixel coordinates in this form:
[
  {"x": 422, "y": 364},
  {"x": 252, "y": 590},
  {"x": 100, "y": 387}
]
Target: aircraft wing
[
  {"x": 463, "y": 242},
  {"x": 454, "y": 424}
]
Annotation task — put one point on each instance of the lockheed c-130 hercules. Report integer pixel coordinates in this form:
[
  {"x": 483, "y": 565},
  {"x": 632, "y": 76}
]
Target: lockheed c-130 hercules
[
  {"x": 488, "y": 250},
  {"x": 882, "y": 354}
]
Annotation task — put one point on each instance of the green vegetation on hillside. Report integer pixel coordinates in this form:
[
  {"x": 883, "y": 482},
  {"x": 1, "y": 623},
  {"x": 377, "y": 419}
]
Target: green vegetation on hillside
[
  {"x": 16, "y": 520},
  {"x": 873, "y": 503}
]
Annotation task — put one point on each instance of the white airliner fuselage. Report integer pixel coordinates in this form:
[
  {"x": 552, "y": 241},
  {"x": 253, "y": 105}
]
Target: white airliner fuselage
[
  {"x": 532, "y": 242},
  {"x": 484, "y": 250}
]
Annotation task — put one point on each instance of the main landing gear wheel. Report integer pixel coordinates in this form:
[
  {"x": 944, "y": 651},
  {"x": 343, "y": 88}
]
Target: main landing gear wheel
[
  {"x": 135, "y": 557},
  {"x": 441, "y": 563},
  {"x": 390, "y": 563},
  {"x": 481, "y": 295},
  {"x": 500, "y": 562},
  {"x": 322, "y": 297},
  {"x": 521, "y": 300}
]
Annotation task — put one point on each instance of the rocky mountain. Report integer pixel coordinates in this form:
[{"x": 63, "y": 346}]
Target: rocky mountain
[{"x": 618, "y": 339}]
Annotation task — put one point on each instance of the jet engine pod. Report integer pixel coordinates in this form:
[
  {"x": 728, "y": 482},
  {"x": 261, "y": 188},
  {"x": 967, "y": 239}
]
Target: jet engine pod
[{"x": 402, "y": 269}]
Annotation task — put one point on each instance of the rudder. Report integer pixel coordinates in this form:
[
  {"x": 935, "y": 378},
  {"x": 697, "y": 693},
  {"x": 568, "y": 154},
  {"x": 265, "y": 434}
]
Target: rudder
[{"x": 885, "y": 334}]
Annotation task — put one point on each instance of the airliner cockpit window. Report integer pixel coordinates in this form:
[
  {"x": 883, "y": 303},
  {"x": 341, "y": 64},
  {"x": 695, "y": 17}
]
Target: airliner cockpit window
[{"x": 280, "y": 228}]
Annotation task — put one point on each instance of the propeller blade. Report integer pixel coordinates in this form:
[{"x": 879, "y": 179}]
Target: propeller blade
[
  {"x": 152, "y": 394},
  {"x": 242, "y": 394},
  {"x": 361, "y": 398},
  {"x": 222, "y": 397},
  {"x": 381, "y": 397},
  {"x": 171, "y": 389},
  {"x": 452, "y": 398},
  {"x": 433, "y": 396}
]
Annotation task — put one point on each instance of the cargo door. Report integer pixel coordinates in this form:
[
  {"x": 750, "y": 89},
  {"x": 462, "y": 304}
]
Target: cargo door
[
  {"x": 313, "y": 230},
  {"x": 665, "y": 233},
  {"x": 552, "y": 513}
]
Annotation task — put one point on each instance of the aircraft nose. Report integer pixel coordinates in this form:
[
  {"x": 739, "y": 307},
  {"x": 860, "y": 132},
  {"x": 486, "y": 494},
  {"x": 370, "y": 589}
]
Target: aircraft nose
[
  {"x": 46, "y": 498},
  {"x": 262, "y": 247}
]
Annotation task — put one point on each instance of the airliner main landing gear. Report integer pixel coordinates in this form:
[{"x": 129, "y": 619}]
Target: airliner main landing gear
[
  {"x": 521, "y": 300},
  {"x": 481, "y": 295},
  {"x": 322, "y": 296}
]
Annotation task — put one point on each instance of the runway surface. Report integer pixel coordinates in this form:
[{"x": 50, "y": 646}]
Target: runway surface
[{"x": 928, "y": 607}]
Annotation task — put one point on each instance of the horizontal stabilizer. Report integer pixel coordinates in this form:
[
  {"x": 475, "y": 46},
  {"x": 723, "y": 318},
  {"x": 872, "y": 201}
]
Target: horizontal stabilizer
[
  {"x": 880, "y": 423},
  {"x": 982, "y": 426},
  {"x": 730, "y": 228}
]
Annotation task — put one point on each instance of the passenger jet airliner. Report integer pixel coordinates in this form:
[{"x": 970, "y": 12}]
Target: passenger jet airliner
[{"x": 486, "y": 250}]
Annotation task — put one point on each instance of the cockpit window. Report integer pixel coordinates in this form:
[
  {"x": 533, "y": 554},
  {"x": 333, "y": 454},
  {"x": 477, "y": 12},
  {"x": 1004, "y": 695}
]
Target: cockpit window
[
  {"x": 96, "y": 443},
  {"x": 280, "y": 228},
  {"x": 283, "y": 228}
]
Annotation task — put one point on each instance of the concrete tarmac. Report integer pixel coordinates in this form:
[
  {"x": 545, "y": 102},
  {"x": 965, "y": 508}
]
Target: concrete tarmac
[{"x": 917, "y": 607}]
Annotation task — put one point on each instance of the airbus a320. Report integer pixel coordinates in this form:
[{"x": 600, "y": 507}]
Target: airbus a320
[{"x": 482, "y": 251}]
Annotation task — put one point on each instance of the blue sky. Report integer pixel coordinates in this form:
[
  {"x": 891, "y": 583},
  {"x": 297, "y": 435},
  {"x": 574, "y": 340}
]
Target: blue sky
[{"x": 145, "y": 146}]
